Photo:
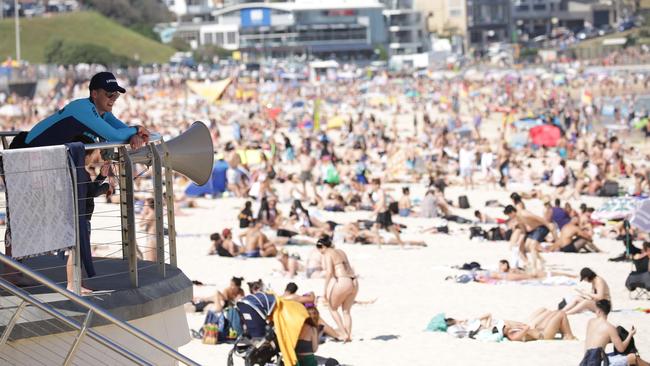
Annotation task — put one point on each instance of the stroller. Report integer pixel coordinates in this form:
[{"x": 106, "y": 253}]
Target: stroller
[{"x": 258, "y": 344}]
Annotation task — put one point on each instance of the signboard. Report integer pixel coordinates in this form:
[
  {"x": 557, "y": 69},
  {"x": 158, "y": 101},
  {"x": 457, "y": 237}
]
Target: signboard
[{"x": 255, "y": 17}]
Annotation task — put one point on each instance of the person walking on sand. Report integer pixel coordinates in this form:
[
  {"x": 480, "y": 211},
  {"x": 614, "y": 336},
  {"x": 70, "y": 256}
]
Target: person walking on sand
[{"x": 341, "y": 285}]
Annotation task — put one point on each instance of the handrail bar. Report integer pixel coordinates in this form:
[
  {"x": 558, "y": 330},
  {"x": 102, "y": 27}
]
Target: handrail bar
[
  {"x": 154, "y": 137},
  {"x": 29, "y": 298},
  {"x": 99, "y": 311}
]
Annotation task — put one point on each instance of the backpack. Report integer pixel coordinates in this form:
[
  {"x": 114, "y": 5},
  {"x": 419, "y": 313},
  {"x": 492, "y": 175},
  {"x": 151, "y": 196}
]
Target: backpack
[
  {"x": 477, "y": 231},
  {"x": 463, "y": 202},
  {"x": 494, "y": 234}
]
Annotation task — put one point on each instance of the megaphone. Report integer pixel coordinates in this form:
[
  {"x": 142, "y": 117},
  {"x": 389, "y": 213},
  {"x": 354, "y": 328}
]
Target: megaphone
[{"x": 190, "y": 153}]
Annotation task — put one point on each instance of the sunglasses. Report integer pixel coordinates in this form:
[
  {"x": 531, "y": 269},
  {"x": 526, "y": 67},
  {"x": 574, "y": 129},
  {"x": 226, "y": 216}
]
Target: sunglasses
[
  {"x": 112, "y": 95},
  {"x": 319, "y": 246}
]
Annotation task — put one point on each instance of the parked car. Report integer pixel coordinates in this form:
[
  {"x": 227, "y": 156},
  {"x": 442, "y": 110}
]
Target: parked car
[
  {"x": 586, "y": 34},
  {"x": 605, "y": 29},
  {"x": 626, "y": 25}
]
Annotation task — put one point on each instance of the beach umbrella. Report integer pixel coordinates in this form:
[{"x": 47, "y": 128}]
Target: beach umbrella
[{"x": 545, "y": 135}]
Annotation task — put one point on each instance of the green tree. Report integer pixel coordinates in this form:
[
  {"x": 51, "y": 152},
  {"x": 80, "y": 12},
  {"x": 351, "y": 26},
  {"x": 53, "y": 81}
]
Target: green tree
[
  {"x": 62, "y": 52},
  {"x": 180, "y": 44}
]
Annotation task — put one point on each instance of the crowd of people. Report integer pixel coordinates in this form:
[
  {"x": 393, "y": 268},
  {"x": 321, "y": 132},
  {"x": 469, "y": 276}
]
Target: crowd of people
[{"x": 297, "y": 151}]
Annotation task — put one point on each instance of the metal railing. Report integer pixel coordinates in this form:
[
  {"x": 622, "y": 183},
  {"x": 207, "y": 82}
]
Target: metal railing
[
  {"x": 84, "y": 329},
  {"x": 22, "y": 304},
  {"x": 157, "y": 165}
]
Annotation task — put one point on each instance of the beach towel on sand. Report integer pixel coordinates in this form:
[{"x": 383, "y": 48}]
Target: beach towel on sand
[
  {"x": 288, "y": 318},
  {"x": 437, "y": 323}
]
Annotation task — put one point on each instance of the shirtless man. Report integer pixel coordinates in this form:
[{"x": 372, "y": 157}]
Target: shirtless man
[
  {"x": 307, "y": 163},
  {"x": 536, "y": 229},
  {"x": 404, "y": 203},
  {"x": 384, "y": 218},
  {"x": 600, "y": 333},
  {"x": 257, "y": 244},
  {"x": 586, "y": 301},
  {"x": 573, "y": 239}
]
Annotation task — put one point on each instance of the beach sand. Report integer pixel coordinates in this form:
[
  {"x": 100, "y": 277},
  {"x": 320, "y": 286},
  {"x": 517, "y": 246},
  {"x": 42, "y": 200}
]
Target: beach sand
[{"x": 410, "y": 288}]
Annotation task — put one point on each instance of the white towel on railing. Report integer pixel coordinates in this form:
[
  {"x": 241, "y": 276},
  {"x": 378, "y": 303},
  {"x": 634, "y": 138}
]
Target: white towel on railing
[{"x": 40, "y": 200}]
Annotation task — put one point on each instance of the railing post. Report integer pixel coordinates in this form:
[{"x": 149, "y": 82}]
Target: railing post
[
  {"x": 12, "y": 323},
  {"x": 158, "y": 207},
  {"x": 80, "y": 336},
  {"x": 128, "y": 215},
  {"x": 169, "y": 196},
  {"x": 75, "y": 253}
]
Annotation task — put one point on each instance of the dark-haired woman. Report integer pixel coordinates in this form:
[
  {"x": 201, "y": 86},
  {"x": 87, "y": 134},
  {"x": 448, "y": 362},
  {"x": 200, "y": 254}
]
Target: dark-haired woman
[
  {"x": 585, "y": 301},
  {"x": 341, "y": 285},
  {"x": 308, "y": 342}
]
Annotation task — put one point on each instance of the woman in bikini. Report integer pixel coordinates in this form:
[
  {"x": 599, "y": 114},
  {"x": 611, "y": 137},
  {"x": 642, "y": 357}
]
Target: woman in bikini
[{"x": 341, "y": 285}]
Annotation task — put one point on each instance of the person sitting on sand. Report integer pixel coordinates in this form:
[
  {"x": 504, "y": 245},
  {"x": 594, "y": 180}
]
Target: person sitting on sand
[
  {"x": 290, "y": 263},
  {"x": 573, "y": 239},
  {"x": 257, "y": 244},
  {"x": 384, "y": 219},
  {"x": 586, "y": 301},
  {"x": 341, "y": 285},
  {"x": 600, "y": 332},
  {"x": 290, "y": 293},
  {"x": 404, "y": 205}
]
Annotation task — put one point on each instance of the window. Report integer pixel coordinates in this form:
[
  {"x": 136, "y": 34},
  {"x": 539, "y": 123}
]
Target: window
[
  {"x": 475, "y": 37},
  {"x": 539, "y": 7},
  {"x": 207, "y": 38},
  {"x": 219, "y": 37},
  {"x": 522, "y": 8},
  {"x": 455, "y": 13},
  {"x": 230, "y": 37}
]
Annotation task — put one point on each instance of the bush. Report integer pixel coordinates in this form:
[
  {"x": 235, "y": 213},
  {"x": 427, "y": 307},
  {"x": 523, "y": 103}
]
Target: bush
[
  {"x": 180, "y": 44},
  {"x": 69, "y": 53}
]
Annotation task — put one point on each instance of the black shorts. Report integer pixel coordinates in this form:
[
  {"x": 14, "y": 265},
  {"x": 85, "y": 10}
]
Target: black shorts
[
  {"x": 569, "y": 248},
  {"x": 538, "y": 234},
  {"x": 385, "y": 219}
]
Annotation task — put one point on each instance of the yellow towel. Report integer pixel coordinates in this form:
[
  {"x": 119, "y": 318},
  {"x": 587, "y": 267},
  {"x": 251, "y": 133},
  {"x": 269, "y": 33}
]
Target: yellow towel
[{"x": 288, "y": 319}]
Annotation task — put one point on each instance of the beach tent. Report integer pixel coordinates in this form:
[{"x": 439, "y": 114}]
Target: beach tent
[
  {"x": 215, "y": 186},
  {"x": 545, "y": 135}
]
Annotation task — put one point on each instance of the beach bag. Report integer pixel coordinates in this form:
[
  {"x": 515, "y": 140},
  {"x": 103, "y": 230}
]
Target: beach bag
[
  {"x": 610, "y": 189},
  {"x": 210, "y": 331},
  {"x": 631, "y": 348},
  {"x": 494, "y": 234},
  {"x": 463, "y": 202},
  {"x": 477, "y": 231},
  {"x": 230, "y": 326}
]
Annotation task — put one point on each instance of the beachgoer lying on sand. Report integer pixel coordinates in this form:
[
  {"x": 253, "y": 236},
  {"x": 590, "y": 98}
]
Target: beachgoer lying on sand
[
  {"x": 546, "y": 326},
  {"x": 586, "y": 301},
  {"x": 506, "y": 273},
  {"x": 256, "y": 244},
  {"x": 357, "y": 235},
  {"x": 305, "y": 224},
  {"x": 341, "y": 285},
  {"x": 221, "y": 299},
  {"x": 600, "y": 332},
  {"x": 573, "y": 239}
]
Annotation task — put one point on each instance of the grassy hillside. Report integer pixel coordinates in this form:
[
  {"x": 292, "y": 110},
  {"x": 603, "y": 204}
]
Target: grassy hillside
[{"x": 81, "y": 27}]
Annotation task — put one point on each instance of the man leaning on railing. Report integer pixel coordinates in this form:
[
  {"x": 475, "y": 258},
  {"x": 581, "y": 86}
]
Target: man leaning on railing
[{"x": 79, "y": 121}]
